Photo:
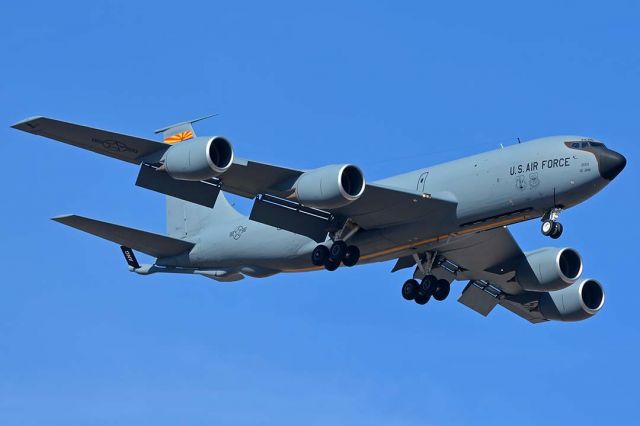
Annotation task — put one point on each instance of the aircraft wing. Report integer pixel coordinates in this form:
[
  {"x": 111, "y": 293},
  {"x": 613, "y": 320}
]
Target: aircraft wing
[
  {"x": 489, "y": 260},
  {"x": 123, "y": 147},
  {"x": 379, "y": 206}
]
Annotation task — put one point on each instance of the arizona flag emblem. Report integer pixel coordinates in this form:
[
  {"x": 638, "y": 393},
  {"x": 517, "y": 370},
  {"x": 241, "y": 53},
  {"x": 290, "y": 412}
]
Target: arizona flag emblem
[{"x": 179, "y": 137}]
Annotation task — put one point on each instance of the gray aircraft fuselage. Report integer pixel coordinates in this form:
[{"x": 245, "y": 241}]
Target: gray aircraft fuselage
[{"x": 492, "y": 189}]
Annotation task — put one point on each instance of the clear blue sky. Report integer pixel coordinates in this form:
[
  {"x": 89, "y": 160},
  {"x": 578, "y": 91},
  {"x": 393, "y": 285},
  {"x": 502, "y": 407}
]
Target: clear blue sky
[{"x": 389, "y": 87}]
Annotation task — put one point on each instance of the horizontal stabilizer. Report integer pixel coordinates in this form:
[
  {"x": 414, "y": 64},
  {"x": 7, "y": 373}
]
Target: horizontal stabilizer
[
  {"x": 123, "y": 147},
  {"x": 146, "y": 242}
]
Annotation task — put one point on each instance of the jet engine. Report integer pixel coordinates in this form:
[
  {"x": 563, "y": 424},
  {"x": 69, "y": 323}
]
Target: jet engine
[
  {"x": 579, "y": 301},
  {"x": 199, "y": 158},
  {"x": 549, "y": 269},
  {"x": 330, "y": 186}
]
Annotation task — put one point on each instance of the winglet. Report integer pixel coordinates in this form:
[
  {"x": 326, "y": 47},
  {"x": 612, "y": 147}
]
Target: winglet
[{"x": 180, "y": 131}]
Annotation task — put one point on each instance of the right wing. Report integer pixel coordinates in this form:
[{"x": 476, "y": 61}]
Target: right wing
[{"x": 379, "y": 206}]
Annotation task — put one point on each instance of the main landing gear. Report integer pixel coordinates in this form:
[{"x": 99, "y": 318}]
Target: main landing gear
[
  {"x": 332, "y": 257},
  {"x": 550, "y": 225},
  {"x": 430, "y": 286}
]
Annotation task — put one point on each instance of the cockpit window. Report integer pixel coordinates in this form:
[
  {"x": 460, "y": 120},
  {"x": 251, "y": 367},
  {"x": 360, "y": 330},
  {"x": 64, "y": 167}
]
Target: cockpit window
[{"x": 585, "y": 144}]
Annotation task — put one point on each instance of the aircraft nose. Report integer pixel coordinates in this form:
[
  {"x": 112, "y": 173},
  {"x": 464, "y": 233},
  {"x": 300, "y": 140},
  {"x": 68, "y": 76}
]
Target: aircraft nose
[{"x": 610, "y": 163}]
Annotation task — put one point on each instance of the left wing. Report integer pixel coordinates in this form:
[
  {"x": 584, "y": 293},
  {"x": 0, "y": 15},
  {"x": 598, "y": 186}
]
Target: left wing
[
  {"x": 123, "y": 147},
  {"x": 378, "y": 207}
]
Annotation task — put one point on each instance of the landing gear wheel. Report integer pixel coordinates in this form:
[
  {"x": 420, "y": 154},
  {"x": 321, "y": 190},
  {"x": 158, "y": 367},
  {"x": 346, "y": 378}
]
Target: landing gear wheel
[
  {"x": 338, "y": 250},
  {"x": 319, "y": 255},
  {"x": 547, "y": 227},
  {"x": 557, "y": 231},
  {"x": 442, "y": 290},
  {"x": 331, "y": 265},
  {"x": 410, "y": 289},
  {"x": 421, "y": 298},
  {"x": 351, "y": 256},
  {"x": 428, "y": 284}
]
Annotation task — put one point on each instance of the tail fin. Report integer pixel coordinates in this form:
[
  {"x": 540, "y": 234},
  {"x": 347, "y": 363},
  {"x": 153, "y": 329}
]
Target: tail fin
[
  {"x": 185, "y": 219},
  {"x": 180, "y": 131}
]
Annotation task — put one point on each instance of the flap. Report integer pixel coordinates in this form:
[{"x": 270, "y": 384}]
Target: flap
[{"x": 479, "y": 300}]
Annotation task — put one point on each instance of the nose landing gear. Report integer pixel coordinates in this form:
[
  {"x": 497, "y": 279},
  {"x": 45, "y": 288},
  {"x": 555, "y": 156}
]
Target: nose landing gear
[{"x": 550, "y": 225}]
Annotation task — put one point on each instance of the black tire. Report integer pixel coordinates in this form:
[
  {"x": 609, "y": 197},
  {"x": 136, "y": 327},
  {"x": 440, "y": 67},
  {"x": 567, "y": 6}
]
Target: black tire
[
  {"x": 421, "y": 298},
  {"x": 410, "y": 289},
  {"x": 338, "y": 250},
  {"x": 331, "y": 265},
  {"x": 557, "y": 231},
  {"x": 319, "y": 255},
  {"x": 442, "y": 290},
  {"x": 428, "y": 284},
  {"x": 547, "y": 227},
  {"x": 351, "y": 256}
]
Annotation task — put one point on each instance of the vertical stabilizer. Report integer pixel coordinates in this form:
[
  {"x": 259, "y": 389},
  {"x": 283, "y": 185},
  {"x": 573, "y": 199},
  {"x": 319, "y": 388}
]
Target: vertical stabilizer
[
  {"x": 180, "y": 131},
  {"x": 185, "y": 220}
]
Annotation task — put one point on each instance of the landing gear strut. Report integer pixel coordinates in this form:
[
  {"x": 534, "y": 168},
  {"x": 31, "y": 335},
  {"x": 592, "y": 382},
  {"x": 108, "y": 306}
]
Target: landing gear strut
[{"x": 550, "y": 225}]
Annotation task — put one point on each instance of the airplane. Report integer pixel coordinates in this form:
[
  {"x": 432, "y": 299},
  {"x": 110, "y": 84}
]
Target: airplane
[{"x": 448, "y": 222}]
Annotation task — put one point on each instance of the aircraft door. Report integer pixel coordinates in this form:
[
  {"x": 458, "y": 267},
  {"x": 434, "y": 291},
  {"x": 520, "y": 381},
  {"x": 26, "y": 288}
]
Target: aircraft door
[{"x": 422, "y": 180}]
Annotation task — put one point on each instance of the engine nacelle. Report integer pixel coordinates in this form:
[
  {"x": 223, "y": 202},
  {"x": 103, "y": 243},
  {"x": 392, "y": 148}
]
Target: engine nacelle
[
  {"x": 579, "y": 301},
  {"x": 549, "y": 269},
  {"x": 198, "y": 158},
  {"x": 330, "y": 186}
]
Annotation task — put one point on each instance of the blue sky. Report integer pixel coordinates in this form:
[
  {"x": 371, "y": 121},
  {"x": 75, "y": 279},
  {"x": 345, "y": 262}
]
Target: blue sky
[{"x": 388, "y": 87}]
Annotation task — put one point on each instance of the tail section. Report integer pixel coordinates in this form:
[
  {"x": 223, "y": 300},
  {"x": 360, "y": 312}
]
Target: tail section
[{"x": 185, "y": 220}]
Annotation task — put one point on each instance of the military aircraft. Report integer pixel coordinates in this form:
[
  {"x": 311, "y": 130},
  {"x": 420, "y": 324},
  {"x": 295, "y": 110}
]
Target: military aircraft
[{"x": 448, "y": 222}]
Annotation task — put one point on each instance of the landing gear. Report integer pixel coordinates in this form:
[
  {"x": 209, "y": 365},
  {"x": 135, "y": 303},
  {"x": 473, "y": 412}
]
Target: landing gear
[
  {"x": 331, "y": 258},
  {"x": 338, "y": 250},
  {"x": 422, "y": 298},
  {"x": 550, "y": 225},
  {"x": 331, "y": 265},
  {"x": 319, "y": 255},
  {"x": 442, "y": 290},
  {"x": 410, "y": 289},
  {"x": 351, "y": 256},
  {"x": 429, "y": 286}
]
